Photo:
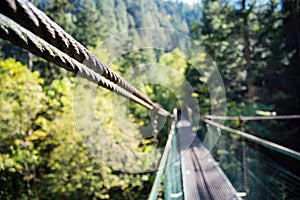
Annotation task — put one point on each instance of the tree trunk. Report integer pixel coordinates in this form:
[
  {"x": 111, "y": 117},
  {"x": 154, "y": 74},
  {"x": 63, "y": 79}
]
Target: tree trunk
[
  {"x": 247, "y": 57},
  {"x": 30, "y": 65}
]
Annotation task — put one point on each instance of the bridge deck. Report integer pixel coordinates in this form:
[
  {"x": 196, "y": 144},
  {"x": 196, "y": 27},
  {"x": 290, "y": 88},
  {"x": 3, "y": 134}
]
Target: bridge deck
[{"x": 202, "y": 177}]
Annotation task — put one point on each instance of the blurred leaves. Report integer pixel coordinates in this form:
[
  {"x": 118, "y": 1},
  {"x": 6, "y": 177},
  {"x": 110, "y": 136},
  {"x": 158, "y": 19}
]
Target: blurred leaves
[{"x": 45, "y": 156}]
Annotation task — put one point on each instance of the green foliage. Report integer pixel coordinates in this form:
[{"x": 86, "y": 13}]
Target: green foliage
[
  {"x": 60, "y": 12},
  {"x": 245, "y": 41},
  {"x": 45, "y": 157},
  {"x": 22, "y": 99},
  {"x": 119, "y": 16},
  {"x": 218, "y": 33},
  {"x": 86, "y": 22}
]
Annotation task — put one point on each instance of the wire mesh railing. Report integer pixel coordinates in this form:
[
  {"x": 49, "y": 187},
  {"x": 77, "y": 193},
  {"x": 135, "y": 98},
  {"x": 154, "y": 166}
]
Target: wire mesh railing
[
  {"x": 253, "y": 171},
  {"x": 168, "y": 178},
  {"x": 173, "y": 180}
]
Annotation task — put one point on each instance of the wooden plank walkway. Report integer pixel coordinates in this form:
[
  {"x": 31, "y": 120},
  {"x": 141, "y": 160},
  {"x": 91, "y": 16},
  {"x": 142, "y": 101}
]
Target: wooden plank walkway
[{"x": 202, "y": 177}]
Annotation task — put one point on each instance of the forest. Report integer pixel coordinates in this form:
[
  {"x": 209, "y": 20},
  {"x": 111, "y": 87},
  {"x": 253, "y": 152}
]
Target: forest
[{"x": 62, "y": 137}]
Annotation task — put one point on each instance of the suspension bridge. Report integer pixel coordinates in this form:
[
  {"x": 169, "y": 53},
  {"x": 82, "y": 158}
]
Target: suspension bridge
[{"x": 187, "y": 170}]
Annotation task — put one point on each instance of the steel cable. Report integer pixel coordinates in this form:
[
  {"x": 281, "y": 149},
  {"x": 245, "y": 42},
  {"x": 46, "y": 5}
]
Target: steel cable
[
  {"x": 31, "y": 18},
  {"x": 23, "y": 38}
]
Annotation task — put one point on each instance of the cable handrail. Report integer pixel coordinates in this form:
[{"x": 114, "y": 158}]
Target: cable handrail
[
  {"x": 162, "y": 164},
  {"x": 252, "y": 118},
  {"x": 263, "y": 142},
  {"x": 29, "y": 28}
]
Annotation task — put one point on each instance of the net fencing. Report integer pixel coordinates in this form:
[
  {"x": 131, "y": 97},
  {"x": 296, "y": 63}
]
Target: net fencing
[
  {"x": 255, "y": 171},
  {"x": 168, "y": 180}
]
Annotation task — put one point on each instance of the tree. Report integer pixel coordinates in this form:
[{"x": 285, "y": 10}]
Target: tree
[
  {"x": 60, "y": 11},
  {"x": 22, "y": 100},
  {"x": 86, "y": 21},
  {"x": 291, "y": 35},
  {"x": 44, "y": 157}
]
